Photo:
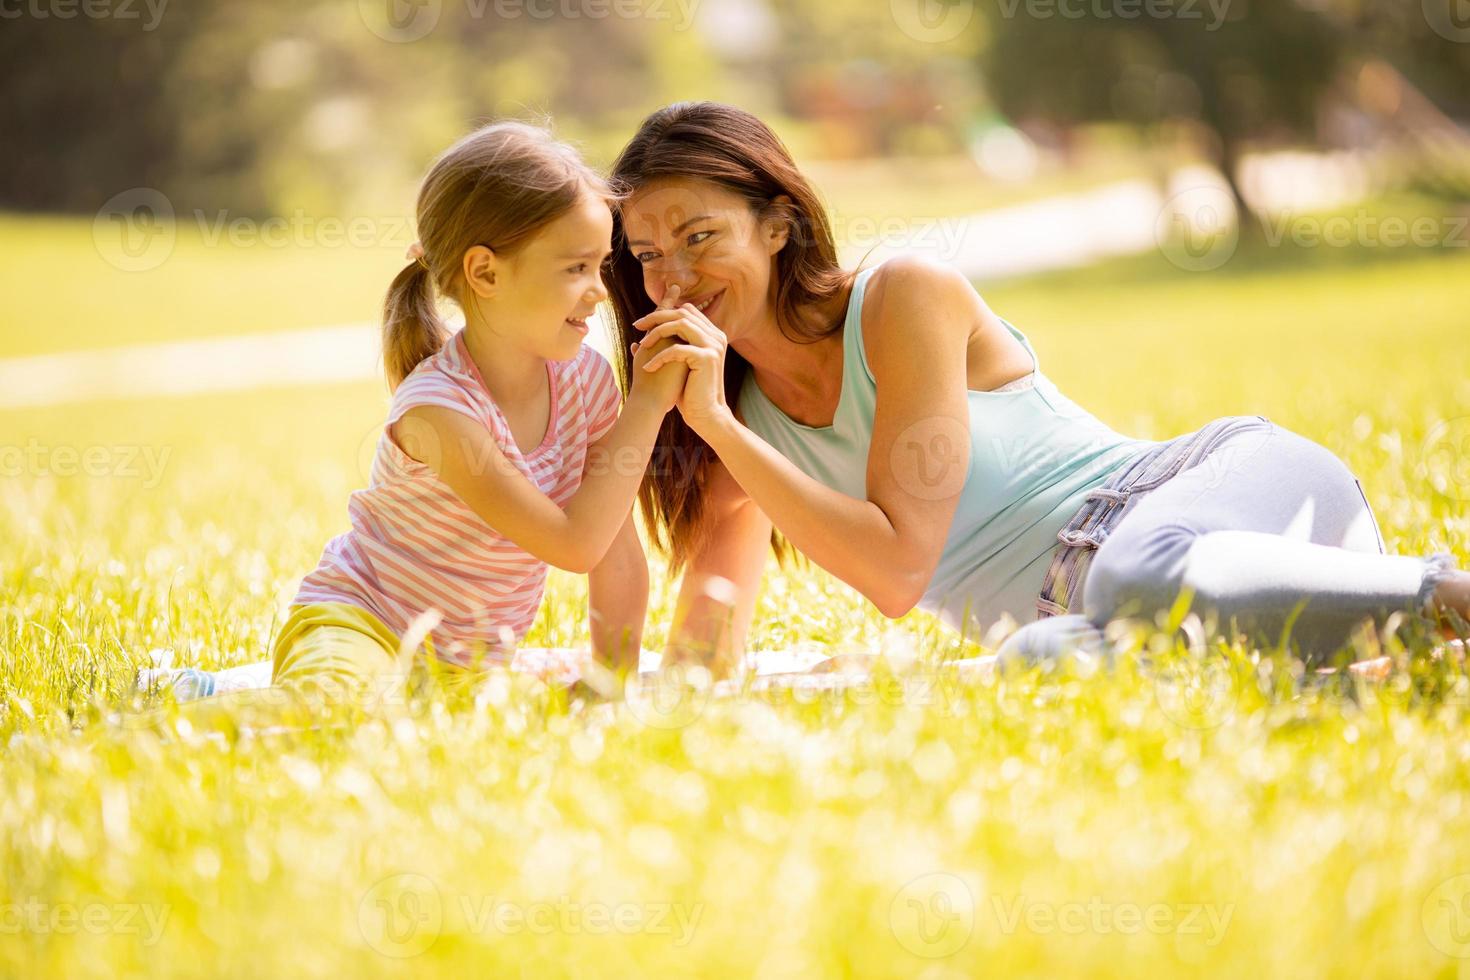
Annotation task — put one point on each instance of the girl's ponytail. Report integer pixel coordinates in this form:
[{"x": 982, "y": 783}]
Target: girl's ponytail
[
  {"x": 412, "y": 330},
  {"x": 497, "y": 187}
]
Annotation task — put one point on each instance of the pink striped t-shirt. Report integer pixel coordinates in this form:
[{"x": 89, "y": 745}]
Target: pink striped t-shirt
[{"x": 414, "y": 546}]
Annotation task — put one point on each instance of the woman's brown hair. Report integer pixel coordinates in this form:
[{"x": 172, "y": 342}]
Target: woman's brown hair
[
  {"x": 496, "y": 187},
  {"x": 732, "y": 148}
]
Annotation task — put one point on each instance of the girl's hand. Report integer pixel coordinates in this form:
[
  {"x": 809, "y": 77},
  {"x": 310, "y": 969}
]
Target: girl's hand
[
  {"x": 662, "y": 387},
  {"x": 702, "y": 352}
]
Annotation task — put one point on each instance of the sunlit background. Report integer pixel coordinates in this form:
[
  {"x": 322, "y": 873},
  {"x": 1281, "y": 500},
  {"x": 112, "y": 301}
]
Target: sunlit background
[{"x": 1193, "y": 208}]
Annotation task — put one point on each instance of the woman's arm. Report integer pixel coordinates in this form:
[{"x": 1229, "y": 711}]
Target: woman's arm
[
  {"x": 617, "y": 601},
  {"x": 720, "y": 585},
  {"x": 918, "y": 317}
]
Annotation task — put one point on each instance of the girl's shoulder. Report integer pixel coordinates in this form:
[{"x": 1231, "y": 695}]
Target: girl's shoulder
[
  {"x": 590, "y": 374},
  {"x": 446, "y": 378},
  {"x": 590, "y": 368}
]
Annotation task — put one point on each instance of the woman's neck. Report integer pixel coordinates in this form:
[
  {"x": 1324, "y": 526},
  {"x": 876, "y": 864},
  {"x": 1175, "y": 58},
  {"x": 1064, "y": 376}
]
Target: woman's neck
[
  {"x": 511, "y": 375},
  {"x": 795, "y": 372}
]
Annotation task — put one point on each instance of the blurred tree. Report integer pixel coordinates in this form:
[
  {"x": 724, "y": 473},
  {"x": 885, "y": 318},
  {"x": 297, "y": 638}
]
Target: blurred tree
[
  {"x": 1241, "y": 75},
  {"x": 1246, "y": 74}
]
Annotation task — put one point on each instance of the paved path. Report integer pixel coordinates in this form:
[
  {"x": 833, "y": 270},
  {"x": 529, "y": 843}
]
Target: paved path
[{"x": 1067, "y": 231}]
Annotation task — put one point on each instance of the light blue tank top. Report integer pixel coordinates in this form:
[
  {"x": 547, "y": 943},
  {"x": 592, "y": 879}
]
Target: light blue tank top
[{"x": 1034, "y": 455}]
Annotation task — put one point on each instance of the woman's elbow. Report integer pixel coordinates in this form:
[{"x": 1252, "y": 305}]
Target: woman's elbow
[{"x": 899, "y": 595}]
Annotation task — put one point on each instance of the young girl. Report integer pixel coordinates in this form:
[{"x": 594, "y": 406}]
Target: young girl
[{"x": 504, "y": 450}]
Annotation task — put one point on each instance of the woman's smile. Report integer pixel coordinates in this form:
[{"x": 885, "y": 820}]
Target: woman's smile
[{"x": 707, "y": 303}]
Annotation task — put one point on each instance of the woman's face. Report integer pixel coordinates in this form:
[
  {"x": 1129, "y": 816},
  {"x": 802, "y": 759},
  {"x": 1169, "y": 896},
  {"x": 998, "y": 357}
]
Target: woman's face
[{"x": 708, "y": 241}]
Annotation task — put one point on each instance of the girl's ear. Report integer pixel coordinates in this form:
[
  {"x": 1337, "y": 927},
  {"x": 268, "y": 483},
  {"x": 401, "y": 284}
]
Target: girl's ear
[
  {"x": 776, "y": 227},
  {"x": 480, "y": 266}
]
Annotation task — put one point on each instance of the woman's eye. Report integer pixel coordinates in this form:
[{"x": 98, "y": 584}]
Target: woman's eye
[
  {"x": 645, "y": 256},
  {"x": 699, "y": 236},
  {"x": 578, "y": 269}
]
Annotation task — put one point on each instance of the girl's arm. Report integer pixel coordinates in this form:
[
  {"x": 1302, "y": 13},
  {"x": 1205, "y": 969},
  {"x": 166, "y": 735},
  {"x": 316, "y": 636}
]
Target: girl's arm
[
  {"x": 617, "y": 601},
  {"x": 466, "y": 457},
  {"x": 712, "y": 617},
  {"x": 918, "y": 318}
]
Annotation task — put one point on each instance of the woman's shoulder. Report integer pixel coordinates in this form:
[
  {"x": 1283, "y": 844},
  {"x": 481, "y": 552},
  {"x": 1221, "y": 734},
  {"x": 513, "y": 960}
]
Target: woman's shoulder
[
  {"x": 918, "y": 277},
  {"x": 913, "y": 293}
]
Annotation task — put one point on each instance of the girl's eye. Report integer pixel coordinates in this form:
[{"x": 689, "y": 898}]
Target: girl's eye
[
  {"x": 578, "y": 269},
  {"x": 699, "y": 236}
]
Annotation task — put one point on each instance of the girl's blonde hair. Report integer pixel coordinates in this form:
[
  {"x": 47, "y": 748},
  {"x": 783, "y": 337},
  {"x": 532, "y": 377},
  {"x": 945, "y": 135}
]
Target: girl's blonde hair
[{"x": 496, "y": 187}]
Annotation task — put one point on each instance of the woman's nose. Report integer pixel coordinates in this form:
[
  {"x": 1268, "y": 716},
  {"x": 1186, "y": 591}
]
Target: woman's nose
[{"x": 680, "y": 275}]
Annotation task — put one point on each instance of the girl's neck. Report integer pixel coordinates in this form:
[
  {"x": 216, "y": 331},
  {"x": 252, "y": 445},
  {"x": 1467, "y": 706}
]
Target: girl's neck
[{"x": 511, "y": 375}]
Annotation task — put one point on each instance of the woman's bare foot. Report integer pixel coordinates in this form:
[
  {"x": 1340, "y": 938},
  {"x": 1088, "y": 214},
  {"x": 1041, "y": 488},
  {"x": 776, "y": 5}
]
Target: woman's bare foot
[
  {"x": 1452, "y": 598},
  {"x": 1375, "y": 669}
]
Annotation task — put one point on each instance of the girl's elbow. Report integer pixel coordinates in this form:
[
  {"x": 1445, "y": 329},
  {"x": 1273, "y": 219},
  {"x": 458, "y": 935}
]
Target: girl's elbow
[
  {"x": 627, "y": 567},
  {"x": 579, "y": 560}
]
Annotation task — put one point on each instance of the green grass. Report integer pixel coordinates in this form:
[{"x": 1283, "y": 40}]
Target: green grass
[
  {"x": 69, "y": 285},
  {"x": 1316, "y": 830}
]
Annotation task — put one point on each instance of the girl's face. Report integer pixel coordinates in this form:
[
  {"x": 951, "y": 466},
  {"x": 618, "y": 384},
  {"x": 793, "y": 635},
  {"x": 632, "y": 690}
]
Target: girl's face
[
  {"x": 707, "y": 240},
  {"x": 541, "y": 296}
]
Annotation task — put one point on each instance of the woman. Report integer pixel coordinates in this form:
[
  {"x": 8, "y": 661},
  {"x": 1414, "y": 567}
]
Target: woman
[{"x": 902, "y": 436}]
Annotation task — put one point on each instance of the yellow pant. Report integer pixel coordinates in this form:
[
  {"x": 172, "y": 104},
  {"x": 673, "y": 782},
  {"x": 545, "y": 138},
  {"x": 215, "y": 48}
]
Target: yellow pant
[
  {"x": 328, "y": 657},
  {"x": 336, "y": 650}
]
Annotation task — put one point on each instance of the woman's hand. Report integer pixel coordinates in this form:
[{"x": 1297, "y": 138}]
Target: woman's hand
[
  {"x": 699, "y": 345},
  {"x": 664, "y": 387}
]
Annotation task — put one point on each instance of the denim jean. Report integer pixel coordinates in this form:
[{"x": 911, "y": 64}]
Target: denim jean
[{"x": 1266, "y": 527}]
